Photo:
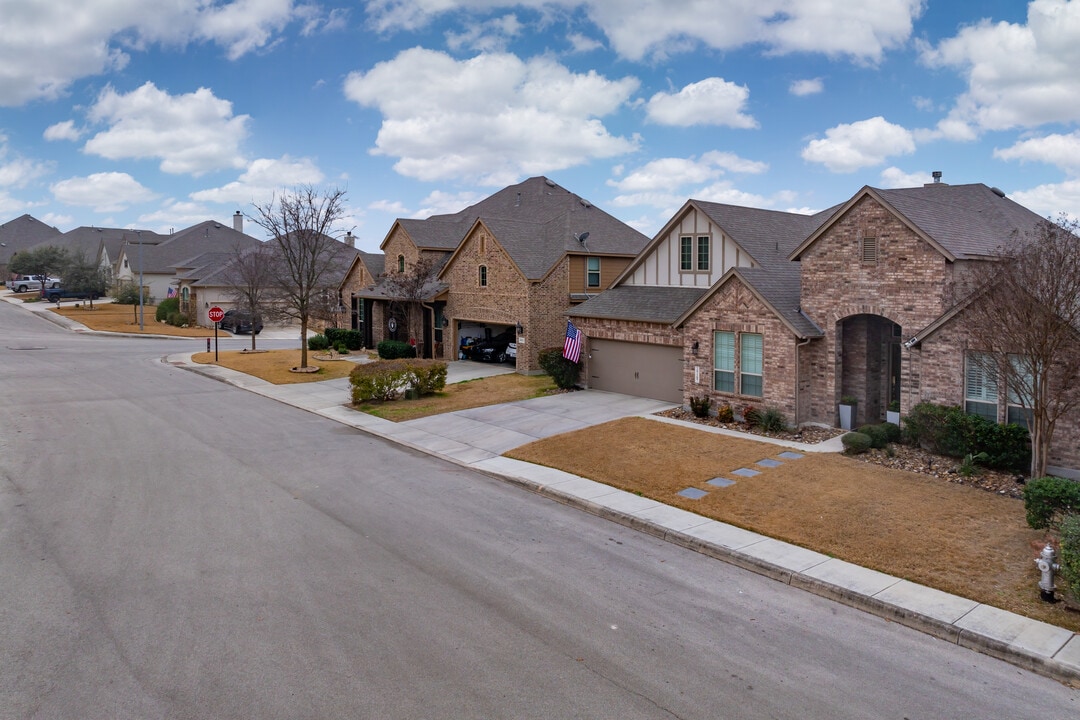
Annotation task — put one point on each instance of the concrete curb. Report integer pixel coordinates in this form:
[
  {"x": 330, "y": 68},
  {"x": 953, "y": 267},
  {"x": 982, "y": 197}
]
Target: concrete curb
[{"x": 1020, "y": 636}]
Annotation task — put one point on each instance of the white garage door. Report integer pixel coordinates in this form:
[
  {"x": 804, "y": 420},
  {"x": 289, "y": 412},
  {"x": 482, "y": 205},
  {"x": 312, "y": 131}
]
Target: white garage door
[{"x": 652, "y": 371}]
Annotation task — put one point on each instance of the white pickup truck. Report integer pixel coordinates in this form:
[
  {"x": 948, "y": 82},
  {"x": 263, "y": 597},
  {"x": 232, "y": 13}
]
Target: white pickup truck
[{"x": 26, "y": 283}]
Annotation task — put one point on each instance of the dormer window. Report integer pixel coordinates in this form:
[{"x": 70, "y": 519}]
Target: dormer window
[{"x": 481, "y": 276}]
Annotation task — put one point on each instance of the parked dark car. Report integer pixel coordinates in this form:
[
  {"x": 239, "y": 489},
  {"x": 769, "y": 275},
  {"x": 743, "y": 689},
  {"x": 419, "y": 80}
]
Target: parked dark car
[
  {"x": 239, "y": 322},
  {"x": 56, "y": 294},
  {"x": 493, "y": 349}
]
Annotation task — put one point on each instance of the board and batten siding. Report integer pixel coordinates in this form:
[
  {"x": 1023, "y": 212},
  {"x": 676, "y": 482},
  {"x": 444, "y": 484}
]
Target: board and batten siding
[{"x": 661, "y": 266}]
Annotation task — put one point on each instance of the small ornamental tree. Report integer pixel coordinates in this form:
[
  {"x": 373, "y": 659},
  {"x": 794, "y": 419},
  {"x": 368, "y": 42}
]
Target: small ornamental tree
[
  {"x": 1025, "y": 315},
  {"x": 42, "y": 261}
]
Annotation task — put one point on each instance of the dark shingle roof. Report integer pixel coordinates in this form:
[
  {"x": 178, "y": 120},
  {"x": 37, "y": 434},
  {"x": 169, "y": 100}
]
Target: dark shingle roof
[
  {"x": 642, "y": 303},
  {"x": 536, "y": 221},
  {"x": 967, "y": 220},
  {"x": 780, "y": 286},
  {"x": 768, "y": 235},
  {"x": 23, "y": 233},
  {"x": 208, "y": 236}
]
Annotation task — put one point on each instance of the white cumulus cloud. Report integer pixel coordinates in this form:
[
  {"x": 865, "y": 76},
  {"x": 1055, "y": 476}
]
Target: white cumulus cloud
[
  {"x": 811, "y": 86},
  {"x": 1017, "y": 75},
  {"x": 104, "y": 192},
  {"x": 262, "y": 179},
  {"x": 849, "y": 147},
  {"x": 894, "y": 177},
  {"x": 667, "y": 173},
  {"x": 48, "y": 45},
  {"x": 491, "y": 118},
  {"x": 191, "y": 133},
  {"x": 660, "y": 28},
  {"x": 1062, "y": 151},
  {"x": 712, "y": 101},
  {"x": 65, "y": 130}
]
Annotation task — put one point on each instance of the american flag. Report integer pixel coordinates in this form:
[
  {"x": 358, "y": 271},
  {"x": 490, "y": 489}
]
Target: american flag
[{"x": 572, "y": 347}]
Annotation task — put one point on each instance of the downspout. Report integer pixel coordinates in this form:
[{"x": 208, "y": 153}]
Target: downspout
[
  {"x": 798, "y": 377},
  {"x": 421, "y": 340}
]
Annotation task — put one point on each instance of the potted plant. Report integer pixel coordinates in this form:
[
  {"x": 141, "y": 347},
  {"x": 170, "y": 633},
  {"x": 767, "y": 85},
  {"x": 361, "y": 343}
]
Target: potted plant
[
  {"x": 848, "y": 406},
  {"x": 893, "y": 413}
]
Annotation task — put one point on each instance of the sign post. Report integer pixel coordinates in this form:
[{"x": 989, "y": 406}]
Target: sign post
[{"x": 216, "y": 315}]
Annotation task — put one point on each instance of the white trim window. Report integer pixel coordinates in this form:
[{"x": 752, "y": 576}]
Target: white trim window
[
  {"x": 980, "y": 386},
  {"x": 751, "y": 364},
  {"x": 724, "y": 362},
  {"x": 592, "y": 272}
]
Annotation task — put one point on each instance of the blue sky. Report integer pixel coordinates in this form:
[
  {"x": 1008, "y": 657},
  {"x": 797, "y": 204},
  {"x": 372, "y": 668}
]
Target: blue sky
[{"x": 126, "y": 113}]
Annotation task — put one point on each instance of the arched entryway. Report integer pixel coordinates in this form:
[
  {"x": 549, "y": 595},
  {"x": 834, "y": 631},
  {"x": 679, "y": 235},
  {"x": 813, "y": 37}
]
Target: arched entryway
[{"x": 869, "y": 364}]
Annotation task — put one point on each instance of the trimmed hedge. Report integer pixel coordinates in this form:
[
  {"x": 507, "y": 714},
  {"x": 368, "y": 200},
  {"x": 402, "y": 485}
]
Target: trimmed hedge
[
  {"x": 385, "y": 380},
  {"x": 1047, "y": 500},
  {"x": 394, "y": 349},
  {"x": 351, "y": 339},
  {"x": 1070, "y": 554},
  {"x": 856, "y": 443},
  {"x": 948, "y": 430},
  {"x": 562, "y": 371}
]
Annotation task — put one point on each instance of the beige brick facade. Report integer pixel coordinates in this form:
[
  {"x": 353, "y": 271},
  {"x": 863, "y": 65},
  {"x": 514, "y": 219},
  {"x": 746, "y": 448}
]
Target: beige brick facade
[
  {"x": 734, "y": 308},
  {"x": 907, "y": 284}
]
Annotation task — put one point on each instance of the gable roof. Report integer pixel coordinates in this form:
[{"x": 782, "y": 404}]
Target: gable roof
[
  {"x": 536, "y": 221},
  {"x": 778, "y": 288},
  {"x": 960, "y": 221},
  {"x": 23, "y": 233},
  {"x": 173, "y": 250}
]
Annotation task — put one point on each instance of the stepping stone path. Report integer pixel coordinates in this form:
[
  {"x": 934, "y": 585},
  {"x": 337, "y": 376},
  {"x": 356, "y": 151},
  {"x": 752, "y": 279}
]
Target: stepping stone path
[{"x": 719, "y": 482}]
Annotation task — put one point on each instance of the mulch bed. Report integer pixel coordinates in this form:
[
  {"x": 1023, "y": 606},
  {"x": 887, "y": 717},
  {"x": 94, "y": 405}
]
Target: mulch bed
[{"x": 901, "y": 457}]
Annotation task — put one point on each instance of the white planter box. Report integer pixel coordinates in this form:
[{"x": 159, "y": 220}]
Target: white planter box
[{"x": 847, "y": 416}]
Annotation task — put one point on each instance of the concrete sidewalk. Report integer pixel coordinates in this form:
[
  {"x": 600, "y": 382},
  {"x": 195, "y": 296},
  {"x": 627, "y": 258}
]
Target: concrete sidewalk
[{"x": 477, "y": 438}]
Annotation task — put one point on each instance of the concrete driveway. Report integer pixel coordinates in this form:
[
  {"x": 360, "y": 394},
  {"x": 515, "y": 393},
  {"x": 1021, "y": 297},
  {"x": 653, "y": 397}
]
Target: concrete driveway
[{"x": 498, "y": 428}]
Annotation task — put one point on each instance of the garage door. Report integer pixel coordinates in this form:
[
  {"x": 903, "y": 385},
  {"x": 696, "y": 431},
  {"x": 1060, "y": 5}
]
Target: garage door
[{"x": 652, "y": 371}]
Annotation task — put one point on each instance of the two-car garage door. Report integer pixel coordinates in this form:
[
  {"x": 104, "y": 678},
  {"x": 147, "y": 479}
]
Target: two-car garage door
[{"x": 652, "y": 371}]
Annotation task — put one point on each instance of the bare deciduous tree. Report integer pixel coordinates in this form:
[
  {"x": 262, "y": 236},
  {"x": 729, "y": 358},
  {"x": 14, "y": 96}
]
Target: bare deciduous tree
[
  {"x": 407, "y": 290},
  {"x": 250, "y": 280},
  {"x": 1025, "y": 315},
  {"x": 306, "y": 257}
]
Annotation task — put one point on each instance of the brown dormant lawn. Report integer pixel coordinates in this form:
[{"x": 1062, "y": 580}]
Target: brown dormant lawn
[
  {"x": 111, "y": 317},
  {"x": 275, "y": 366},
  {"x": 959, "y": 539}
]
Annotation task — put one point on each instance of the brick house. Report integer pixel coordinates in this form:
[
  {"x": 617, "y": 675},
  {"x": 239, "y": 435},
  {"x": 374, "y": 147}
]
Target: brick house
[
  {"x": 516, "y": 261},
  {"x": 764, "y": 308}
]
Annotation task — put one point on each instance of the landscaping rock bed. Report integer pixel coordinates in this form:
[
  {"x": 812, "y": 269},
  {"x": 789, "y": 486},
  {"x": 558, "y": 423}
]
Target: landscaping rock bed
[{"x": 902, "y": 457}]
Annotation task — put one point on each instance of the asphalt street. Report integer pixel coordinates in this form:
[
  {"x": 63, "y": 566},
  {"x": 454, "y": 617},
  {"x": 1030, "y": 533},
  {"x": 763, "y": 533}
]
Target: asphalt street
[{"x": 175, "y": 547}]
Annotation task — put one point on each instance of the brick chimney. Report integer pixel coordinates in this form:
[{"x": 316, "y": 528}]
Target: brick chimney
[{"x": 238, "y": 222}]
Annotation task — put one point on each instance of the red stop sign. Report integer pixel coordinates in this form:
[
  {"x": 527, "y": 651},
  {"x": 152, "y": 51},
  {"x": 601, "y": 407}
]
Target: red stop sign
[{"x": 215, "y": 314}]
